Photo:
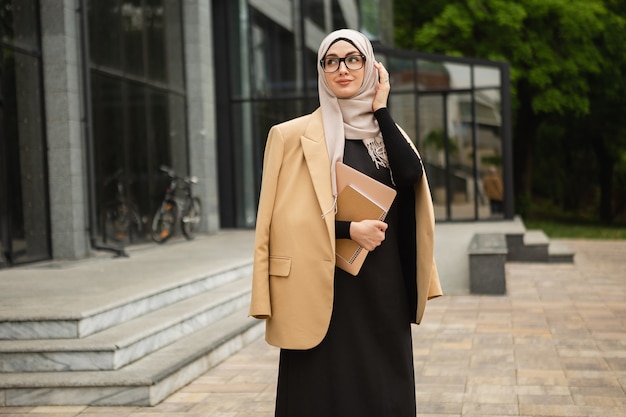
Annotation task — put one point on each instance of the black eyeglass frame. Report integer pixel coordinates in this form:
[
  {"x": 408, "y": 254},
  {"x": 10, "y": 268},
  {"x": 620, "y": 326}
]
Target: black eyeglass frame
[{"x": 344, "y": 62}]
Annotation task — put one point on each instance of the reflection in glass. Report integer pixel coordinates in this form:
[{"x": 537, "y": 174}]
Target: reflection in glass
[
  {"x": 176, "y": 133},
  {"x": 273, "y": 55},
  {"x": 251, "y": 124},
  {"x": 108, "y": 122},
  {"x": 273, "y": 76},
  {"x": 105, "y": 29},
  {"x": 402, "y": 106},
  {"x": 401, "y": 73},
  {"x": 24, "y": 186},
  {"x": 486, "y": 76},
  {"x": 315, "y": 11},
  {"x": 133, "y": 25},
  {"x": 460, "y": 157},
  {"x": 460, "y": 75},
  {"x": 173, "y": 56},
  {"x": 155, "y": 39},
  {"x": 19, "y": 23},
  {"x": 432, "y": 75},
  {"x": 243, "y": 168},
  {"x": 432, "y": 146},
  {"x": 137, "y": 99},
  {"x": 489, "y": 151},
  {"x": 135, "y": 147}
]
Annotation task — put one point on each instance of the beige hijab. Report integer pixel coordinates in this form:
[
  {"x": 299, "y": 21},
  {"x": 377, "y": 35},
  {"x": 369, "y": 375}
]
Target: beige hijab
[{"x": 350, "y": 118}]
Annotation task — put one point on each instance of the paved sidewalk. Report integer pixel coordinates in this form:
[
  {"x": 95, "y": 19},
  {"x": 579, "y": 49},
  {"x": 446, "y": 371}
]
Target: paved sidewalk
[{"x": 554, "y": 346}]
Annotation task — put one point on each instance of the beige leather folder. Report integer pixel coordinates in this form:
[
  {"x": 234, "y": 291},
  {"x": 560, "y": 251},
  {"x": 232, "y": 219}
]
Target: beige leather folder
[{"x": 359, "y": 197}]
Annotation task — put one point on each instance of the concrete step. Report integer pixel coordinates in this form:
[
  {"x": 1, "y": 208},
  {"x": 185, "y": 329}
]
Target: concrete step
[
  {"x": 559, "y": 252},
  {"x": 530, "y": 246},
  {"x": 52, "y": 324},
  {"x": 144, "y": 382},
  {"x": 120, "y": 345}
]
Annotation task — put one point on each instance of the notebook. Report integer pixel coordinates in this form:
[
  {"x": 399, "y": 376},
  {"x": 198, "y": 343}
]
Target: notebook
[{"x": 359, "y": 197}]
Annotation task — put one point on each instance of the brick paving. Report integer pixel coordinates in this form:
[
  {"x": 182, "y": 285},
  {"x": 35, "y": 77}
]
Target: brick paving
[{"x": 554, "y": 346}]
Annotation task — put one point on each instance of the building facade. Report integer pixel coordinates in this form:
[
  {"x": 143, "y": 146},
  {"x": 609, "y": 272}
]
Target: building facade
[{"x": 97, "y": 95}]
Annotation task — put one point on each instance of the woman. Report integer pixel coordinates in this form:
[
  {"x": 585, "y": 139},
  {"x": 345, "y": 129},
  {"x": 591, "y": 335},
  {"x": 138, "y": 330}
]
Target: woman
[{"x": 345, "y": 340}]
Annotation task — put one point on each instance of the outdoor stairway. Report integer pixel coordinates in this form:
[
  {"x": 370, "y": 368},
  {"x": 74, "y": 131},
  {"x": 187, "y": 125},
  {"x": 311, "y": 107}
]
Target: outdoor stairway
[
  {"x": 534, "y": 246},
  {"x": 489, "y": 252},
  {"x": 136, "y": 351}
]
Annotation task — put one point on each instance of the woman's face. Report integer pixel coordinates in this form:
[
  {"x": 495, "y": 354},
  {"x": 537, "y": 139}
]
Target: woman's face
[{"x": 344, "y": 83}]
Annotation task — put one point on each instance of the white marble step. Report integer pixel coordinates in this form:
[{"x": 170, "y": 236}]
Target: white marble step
[
  {"x": 117, "y": 346},
  {"x": 142, "y": 383},
  {"x": 81, "y": 323}
]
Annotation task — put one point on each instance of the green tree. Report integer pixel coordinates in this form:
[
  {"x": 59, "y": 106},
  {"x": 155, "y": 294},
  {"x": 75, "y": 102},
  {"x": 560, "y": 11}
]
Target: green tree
[
  {"x": 605, "y": 125},
  {"x": 560, "y": 51}
]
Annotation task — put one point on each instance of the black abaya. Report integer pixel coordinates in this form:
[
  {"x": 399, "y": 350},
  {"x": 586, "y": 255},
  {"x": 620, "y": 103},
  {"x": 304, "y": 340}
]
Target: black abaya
[{"x": 364, "y": 365}]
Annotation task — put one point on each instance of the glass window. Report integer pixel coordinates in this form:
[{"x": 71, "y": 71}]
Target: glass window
[
  {"x": 460, "y": 150},
  {"x": 344, "y": 16},
  {"x": 432, "y": 146},
  {"x": 330, "y": 15},
  {"x": 402, "y": 73},
  {"x": 108, "y": 123},
  {"x": 460, "y": 75},
  {"x": 273, "y": 76},
  {"x": 486, "y": 76},
  {"x": 273, "y": 56},
  {"x": 402, "y": 107},
  {"x": 19, "y": 23},
  {"x": 133, "y": 24},
  {"x": 239, "y": 50},
  {"x": 175, "y": 134},
  {"x": 250, "y": 125},
  {"x": 139, "y": 138},
  {"x": 432, "y": 76},
  {"x": 244, "y": 164},
  {"x": 370, "y": 18},
  {"x": 138, "y": 107},
  {"x": 310, "y": 72},
  {"x": 105, "y": 42},
  {"x": 314, "y": 10},
  {"x": 173, "y": 39},
  {"x": 489, "y": 153},
  {"x": 24, "y": 220},
  {"x": 155, "y": 40}
]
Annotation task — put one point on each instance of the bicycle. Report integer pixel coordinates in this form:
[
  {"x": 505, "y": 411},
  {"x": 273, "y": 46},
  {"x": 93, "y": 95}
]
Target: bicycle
[
  {"x": 174, "y": 208},
  {"x": 119, "y": 218}
]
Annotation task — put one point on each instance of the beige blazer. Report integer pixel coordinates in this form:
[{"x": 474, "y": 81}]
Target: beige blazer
[{"x": 294, "y": 248}]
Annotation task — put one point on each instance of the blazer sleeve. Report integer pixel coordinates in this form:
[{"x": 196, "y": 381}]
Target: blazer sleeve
[{"x": 260, "y": 305}]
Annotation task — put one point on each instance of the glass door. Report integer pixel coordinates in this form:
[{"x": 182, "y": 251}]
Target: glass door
[{"x": 24, "y": 219}]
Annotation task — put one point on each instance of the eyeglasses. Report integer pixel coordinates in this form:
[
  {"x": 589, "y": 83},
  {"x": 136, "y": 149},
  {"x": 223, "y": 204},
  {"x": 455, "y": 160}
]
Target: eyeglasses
[{"x": 353, "y": 63}]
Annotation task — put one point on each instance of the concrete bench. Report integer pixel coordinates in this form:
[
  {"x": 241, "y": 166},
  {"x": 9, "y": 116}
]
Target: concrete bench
[{"x": 487, "y": 257}]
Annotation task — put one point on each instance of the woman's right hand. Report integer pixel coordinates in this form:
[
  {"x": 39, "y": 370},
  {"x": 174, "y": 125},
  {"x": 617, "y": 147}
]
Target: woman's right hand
[{"x": 369, "y": 234}]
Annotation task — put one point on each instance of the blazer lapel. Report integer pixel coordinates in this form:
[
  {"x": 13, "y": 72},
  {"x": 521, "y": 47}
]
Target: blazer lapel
[{"x": 316, "y": 156}]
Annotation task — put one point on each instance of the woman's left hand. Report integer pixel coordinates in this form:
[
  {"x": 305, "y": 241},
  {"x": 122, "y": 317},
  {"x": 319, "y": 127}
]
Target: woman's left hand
[{"x": 383, "y": 87}]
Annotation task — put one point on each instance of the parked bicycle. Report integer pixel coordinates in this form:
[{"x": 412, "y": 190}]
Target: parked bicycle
[
  {"x": 175, "y": 208},
  {"x": 119, "y": 218}
]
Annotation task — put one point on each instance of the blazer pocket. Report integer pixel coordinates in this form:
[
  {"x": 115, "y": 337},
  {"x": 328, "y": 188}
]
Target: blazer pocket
[{"x": 279, "y": 266}]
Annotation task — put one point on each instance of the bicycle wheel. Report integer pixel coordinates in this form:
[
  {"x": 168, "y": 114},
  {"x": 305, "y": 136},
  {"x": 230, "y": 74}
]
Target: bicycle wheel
[
  {"x": 116, "y": 223},
  {"x": 135, "y": 227},
  {"x": 164, "y": 221},
  {"x": 190, "y": 222}
]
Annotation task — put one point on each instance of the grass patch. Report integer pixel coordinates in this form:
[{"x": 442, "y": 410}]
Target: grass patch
[
  {"x": 576, "y": 230},
  {"x": 555, "y": 222}
]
